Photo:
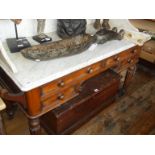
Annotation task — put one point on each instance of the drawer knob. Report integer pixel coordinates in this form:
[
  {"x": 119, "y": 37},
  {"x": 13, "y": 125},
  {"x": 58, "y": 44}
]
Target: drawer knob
[
  {"x": 96, "y": 90},
  {"x": 103, "y": 64},
  {"x": 61, "y": 97},
  {"x": 61, "y": 84},
  {"x": 130, "y": 61},
  {"x": 80, "y": 89},
  {"x": 116, "y": 58},
  {"x": 134, "y": 51},
  {"x": 90, "y": 70}
]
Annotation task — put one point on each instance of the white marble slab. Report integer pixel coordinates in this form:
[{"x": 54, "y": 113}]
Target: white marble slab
[{"x": 32, "y": 74}]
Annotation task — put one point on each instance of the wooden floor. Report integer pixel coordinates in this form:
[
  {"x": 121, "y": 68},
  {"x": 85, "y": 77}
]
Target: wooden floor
[{"x": 131, "y": 114}]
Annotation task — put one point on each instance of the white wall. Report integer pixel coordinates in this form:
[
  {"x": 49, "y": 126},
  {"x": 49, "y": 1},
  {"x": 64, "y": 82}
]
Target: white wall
[{"x": 28, "y": 27}]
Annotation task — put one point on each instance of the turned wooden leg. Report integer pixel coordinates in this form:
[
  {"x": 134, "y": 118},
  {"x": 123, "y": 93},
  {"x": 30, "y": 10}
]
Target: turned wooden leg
[
  {"x": 34, "y": 126},
  {"x": 129, "y": 75}
]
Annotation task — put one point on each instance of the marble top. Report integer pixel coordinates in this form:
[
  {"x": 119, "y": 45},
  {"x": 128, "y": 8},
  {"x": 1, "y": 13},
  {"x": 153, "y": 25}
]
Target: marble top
[{"x": 32, "y": 74}]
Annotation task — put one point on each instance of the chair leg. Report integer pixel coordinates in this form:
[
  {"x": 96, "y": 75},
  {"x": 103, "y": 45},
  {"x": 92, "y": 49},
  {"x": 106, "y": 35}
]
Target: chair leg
[
  {"x": 2, "y": 131},
  {"x": 10, "y": 109}
]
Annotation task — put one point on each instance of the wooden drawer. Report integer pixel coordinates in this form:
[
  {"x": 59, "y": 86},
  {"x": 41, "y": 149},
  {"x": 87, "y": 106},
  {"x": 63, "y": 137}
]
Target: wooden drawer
[
  {"x": 87, "y": 72},
  {"x": 59, "y": 84},
  {"x": 120, "y": 60},
  {"x": 127, "y": 63},
  {"x": 66, "y": 85},
  {"x": 129, "y": 53},
  {"x": 59, "y": 98},
  {"x": 53, "y": 95},
  {"x": 148, "y": 56},
  {"x": 71, "y": 79}
]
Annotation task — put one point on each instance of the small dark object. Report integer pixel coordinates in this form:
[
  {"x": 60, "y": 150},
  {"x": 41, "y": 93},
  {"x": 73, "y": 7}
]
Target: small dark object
[
  {"x": 105, "y": 35},
  {"x": 42, "y": 38},
  {"x": 105, "y": 24},
  {"x": 17, "y": 44},
  {"x": 121, "y": 92},
  {"x": 70, "y": 27},
  {"x": 98, "y": 25}
]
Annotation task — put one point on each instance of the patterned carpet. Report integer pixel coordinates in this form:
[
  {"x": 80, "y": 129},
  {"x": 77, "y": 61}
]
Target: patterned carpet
[{"x": 132, "y": 114}]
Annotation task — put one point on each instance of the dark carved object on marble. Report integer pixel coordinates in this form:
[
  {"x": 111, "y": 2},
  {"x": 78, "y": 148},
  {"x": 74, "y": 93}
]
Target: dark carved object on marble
[
  {"x": 65, "y": 47},
  {"x": 70, "y": 46},
  {"x": 105, "y": 35},
  {"x": 70, "y": 27},
  {"x": 98, "y": 25},
  {"x": 105, "y": 24}
]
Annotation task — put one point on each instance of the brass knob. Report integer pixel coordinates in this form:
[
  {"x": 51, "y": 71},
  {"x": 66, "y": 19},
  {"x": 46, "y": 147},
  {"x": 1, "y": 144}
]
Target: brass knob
[
  {"x": 116, "y": 58},
  {"x": 61, "y": 83},
  {"x": 103, "y": 64},
  {"x": 78, "y": 89},
  {"x": 90, "y": 70},
  {"x": 130, "y": 61},
  {"x": 61, "y": 97},
  {"x": 96, "y": 90},
  {"x": 134, "y": 51}
]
